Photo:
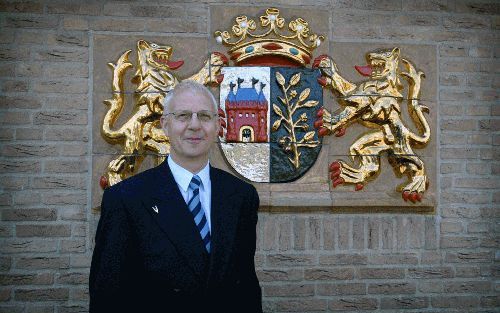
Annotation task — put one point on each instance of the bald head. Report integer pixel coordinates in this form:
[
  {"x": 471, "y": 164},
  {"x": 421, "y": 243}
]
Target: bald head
[{"x": 188, "y": 87}]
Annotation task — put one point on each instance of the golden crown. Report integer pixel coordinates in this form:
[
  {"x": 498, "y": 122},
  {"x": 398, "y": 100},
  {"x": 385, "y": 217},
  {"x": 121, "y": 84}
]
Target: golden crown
[{"x": 270, "y": 47}]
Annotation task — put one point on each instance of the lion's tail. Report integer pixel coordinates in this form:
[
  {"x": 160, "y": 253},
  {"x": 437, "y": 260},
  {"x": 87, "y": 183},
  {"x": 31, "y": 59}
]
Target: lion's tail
[
  {"x": 116, "y": 103},
  {"x": 415, "y": 109}
]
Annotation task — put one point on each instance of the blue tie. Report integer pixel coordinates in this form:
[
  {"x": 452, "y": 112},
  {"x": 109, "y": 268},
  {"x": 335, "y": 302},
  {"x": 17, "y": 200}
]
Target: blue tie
[{"x": 194, "y": 205}]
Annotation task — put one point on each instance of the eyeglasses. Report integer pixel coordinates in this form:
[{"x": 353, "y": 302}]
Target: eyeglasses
[{"x": 185, "y": 115}]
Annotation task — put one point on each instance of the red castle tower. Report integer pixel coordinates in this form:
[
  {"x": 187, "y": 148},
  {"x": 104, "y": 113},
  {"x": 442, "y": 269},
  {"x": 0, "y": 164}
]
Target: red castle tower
[{"x": 246, "y": 112}]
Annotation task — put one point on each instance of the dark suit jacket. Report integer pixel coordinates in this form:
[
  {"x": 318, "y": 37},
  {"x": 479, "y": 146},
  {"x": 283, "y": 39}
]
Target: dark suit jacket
[{"x": 145, "y": 261}]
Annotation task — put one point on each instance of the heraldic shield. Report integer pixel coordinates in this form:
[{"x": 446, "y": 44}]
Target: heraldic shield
[{"x": 267, "y": 113}]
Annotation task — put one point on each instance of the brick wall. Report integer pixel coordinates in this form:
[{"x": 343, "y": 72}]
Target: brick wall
[{"x": 318, "y": 262}]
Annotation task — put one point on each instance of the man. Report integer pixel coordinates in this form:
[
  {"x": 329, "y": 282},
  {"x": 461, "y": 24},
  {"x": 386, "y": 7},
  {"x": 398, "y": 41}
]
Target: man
[{"x": 179, "y": 237}]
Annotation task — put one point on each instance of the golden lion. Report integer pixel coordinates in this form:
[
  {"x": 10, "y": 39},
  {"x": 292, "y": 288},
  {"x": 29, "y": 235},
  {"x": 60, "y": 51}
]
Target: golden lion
[
  {"x": 376, "y": 104},
  {"x": 142, "y": 131}
]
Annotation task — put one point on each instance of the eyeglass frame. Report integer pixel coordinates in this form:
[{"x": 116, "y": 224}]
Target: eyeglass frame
[{"x": 175, "y": 114}]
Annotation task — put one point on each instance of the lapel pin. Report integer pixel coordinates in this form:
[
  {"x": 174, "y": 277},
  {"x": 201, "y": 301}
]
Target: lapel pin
[{"x": 155, "y": 208}]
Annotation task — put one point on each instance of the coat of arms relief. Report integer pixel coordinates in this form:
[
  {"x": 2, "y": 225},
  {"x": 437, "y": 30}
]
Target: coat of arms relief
[{"x": 273, "y": 115}]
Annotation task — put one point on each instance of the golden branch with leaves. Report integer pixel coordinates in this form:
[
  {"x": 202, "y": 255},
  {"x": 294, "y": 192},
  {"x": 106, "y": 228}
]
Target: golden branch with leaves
[{"x": 290, "y": 143}]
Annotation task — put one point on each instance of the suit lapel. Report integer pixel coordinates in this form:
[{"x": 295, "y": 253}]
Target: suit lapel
[
  {"x": 169, "y": 210},
  {"x": 224, "y": 217}
]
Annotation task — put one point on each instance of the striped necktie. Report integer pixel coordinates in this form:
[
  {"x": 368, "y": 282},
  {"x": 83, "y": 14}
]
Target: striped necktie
[{"x": 194, "y": 205}]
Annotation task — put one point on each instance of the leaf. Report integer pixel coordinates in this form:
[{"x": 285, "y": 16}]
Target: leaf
[
  {"x": 309, "y": 135},
  {"x": 310, "y": 104},
  {"x": 295, "y": 79},
  {"x": 304, "y": 94},
  {"x": 276, "y": 125},
  {"x": 277, "y": 110},
  {"x": 280, "y": 79}
]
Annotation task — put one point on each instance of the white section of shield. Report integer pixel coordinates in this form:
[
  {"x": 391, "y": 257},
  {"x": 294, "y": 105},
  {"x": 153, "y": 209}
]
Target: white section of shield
[{"x": 251, "y": 160}]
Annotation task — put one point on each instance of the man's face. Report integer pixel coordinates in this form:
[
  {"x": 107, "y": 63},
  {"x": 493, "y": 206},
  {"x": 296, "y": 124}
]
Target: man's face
[{"x": 190, "y": 141}]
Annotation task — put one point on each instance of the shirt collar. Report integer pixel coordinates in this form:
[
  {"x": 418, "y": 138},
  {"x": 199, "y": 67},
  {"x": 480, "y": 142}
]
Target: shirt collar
[{"x": 183, "y": 177}]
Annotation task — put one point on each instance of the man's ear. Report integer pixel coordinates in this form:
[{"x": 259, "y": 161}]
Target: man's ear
[{"x": 163, "y": 123}]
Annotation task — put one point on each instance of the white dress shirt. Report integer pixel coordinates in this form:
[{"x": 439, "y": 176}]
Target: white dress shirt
[{"x": 183, "y": 177}]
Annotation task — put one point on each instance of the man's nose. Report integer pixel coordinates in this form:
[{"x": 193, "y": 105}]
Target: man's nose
[{"x": 194, "y": 122}]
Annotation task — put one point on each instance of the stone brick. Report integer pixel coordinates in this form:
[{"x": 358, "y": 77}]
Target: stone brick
[
  {"x": 301, "y": 305},
  {"x": 299, "y": 233},
  {"x": 473, "y": 7},
  {"x": 381, "y": 273},
  {"x": 27, "y": 150},
  {"x": 61, "y": 86},
  {"x": 27, "y": 69},
  {"x": 343, "y": 259},
  {"x": 80, "y": 261},
  {"x": 59, "y": 182},
  {"x": 358, "y": 234},
  {"x": 59, "y": 198},
  {"x": 391, "y": 288},
  {"x": 14, "y": 182},
  {"x": 477, "y": 183},
  {"x": 451, "y": 227},
  {"x": 329, "y": 274},
  {"x": 447, "y": 50},
  {"x": 351, "y": 304},
  {"x": 465, "y": 197},
  {"x": 26, "y": 279},
  {"x": 26, "y": 197},
  {"x": 459, "y": 242},
  {"x": 270, "y": 233},
  {"x": 479, "y": 227},
  {"x": 284, "y": 234},
  {"x": 21, "y": 7},
  {"x": 62, "y": 69},
  {"x": 14, "y": 85},
  {"x": 288, "y": 290},
  {"x": 490, "y": 301},
  {"x": 430, "y": 272},
  {"x": 469, "y": 257},
  {"x": 467, "y": 271},
  {"x": 60, "y": 118},
  {"x": 401, "y": 258},
  {"x": 27, "y": 214},
  {"x": 11, "y": 54},
  {"x": 26, "y": 230},
  {"x": 75, "y": 8},
  {"x": 79, "y": 294},
  {"x": 75, "y": 23},
  {"x": 77, "y": 245},
  {"x": 467, "y": 287},
  {"x": 74, "y": 214},
  {"x": 460, "y": 302},
  {"x": 404, "y": 303},
  {"x": 314, "y": 233},
  {"x": 162, "y": 11},
  {"x": 33, "y": 133},
  {"x": 271, "y": 275},
  {"x": 28, "y": 245},
  {"x": 73, "y": 133},
  {"x": 73, "y": 150},
  {"x": 280, "y": 260},
  {"x": 458, "y": 125},
  {"x": 344, "y": 233},
  {"x": 329, "y": 229},
  {"x": 20, "y": 102},
  {"x": 46, "y": 294},
  {"x": 175, "y": 25},
  {"x": 332, "y": 289},
  {"x": 6, "y": 134},
  {"x": 41, "y": 262},
  {"x": 49, "y": 22},
  {"x": 5, "y": 295},
  {"x": 11, "y": 118},
  {"x": 72, "y": 278},
  {"x": 69, "y": 39},
  {"x": 117, "y": 24}
]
